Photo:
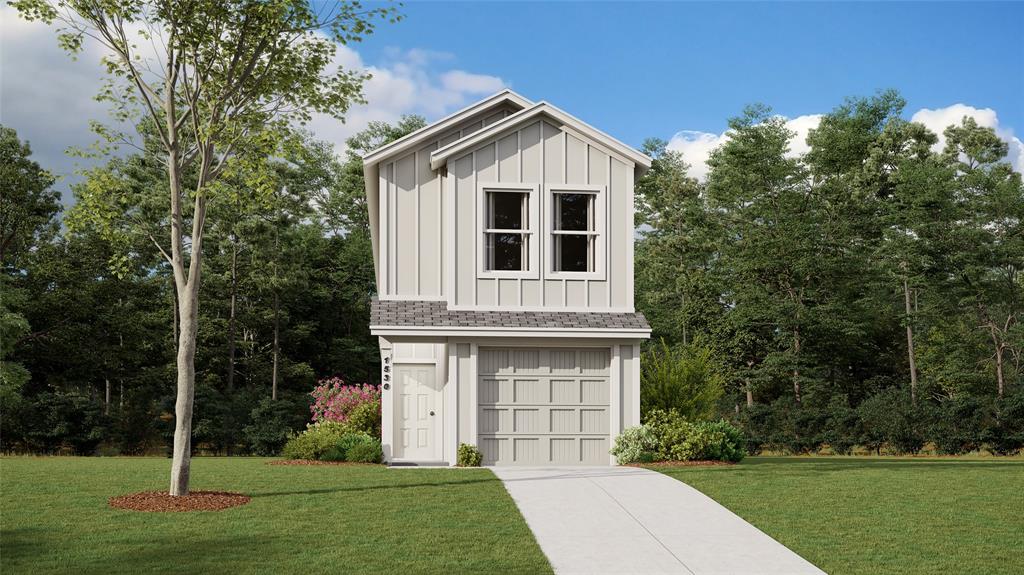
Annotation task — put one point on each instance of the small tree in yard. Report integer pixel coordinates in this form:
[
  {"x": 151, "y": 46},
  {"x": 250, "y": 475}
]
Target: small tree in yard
[{"x": 225, "y": 84}]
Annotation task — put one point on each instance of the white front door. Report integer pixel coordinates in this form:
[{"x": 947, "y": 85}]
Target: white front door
[{"x": 418, "y": 413}]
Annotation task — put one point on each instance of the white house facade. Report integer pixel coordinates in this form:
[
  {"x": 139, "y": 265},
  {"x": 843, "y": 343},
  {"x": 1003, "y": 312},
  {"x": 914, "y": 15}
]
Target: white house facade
[{"x": 503, "y": 249}]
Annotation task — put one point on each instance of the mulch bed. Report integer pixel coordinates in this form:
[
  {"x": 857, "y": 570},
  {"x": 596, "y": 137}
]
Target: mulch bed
[
  {"x": 194, "y": 501},
  {"x": 682, "y": 464},
  {"x": 314, "y": 462}
]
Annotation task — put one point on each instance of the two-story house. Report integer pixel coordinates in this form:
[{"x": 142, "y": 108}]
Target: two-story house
[{"x": 503, "y": 248}]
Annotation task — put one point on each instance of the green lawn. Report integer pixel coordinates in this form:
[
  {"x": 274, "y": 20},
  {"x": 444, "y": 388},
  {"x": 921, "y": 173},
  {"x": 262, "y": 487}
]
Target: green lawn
[
  {"x": 880, "y": 515},
  {"x": 54, "y": 518}
]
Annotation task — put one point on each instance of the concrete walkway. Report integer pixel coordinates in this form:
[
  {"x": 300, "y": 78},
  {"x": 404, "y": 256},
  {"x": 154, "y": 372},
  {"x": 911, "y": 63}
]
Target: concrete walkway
[{"x": 628, "y": 520}]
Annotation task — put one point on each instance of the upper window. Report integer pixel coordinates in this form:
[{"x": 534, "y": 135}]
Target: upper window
[
  {"x": 574, "y": 231},
  {"x": 507, "y": 232}
]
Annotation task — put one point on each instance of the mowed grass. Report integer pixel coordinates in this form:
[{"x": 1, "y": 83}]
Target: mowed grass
[
  {"x": 54, "y": 518},
  {"x": 877, "y": 516}
]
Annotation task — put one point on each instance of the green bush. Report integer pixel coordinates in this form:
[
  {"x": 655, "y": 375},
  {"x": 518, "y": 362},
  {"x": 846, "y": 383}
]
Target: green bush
[
  {"x": 367, "y": 452},
  {"x": 843, "y": 429},
  {"x": 635, "y": 445},
  {"x": 315, "y": 441},
  {"x": 682, "y": 378},
  {"x": 1005, "y": 432},
  {"x": 469, "y": 456},
  {"x": 273, "y": 422},
  {"x": 959, "y": 425},
  {"x": 890, "y": 419},
  {"x": 341, "y": 448},
  {"x": 676, "y": 439},
  {"x": 365, "y": 417},
  {"x": 670, "y": 429}
]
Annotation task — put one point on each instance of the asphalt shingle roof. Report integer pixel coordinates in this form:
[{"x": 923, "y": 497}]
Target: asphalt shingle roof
[{"x": 436, "y": 314}]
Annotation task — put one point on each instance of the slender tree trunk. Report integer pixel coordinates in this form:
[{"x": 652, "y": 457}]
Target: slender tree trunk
[
  {"x": 1000, "y": 382},
  {"x": 106, "y": 403},
  {"x": 277, "y": 348},
  {"x": 231, "y": 317},
  {"x": 910, "y": 342},
  {"x": 796, "y": 367},
  {"x": 750, "y": 395},
  {"x": 120, "y": 400},
  {"x": 182, "y": 454}
]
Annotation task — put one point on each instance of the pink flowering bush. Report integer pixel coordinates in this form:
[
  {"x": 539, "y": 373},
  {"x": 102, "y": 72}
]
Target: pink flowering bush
[{"x": 355, "y": 405}]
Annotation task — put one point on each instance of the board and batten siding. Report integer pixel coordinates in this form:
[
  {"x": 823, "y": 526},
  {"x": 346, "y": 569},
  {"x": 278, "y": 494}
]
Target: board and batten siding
[
  {"x": 420, "y": 204},
  {"x": 543, "y": 154},
  {"x": 413, "y": 217}
]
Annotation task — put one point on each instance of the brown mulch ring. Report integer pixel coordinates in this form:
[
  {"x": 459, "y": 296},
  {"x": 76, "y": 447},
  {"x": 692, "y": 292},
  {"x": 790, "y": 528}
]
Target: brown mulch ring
[
  {"x": 682, "y": 464},
  {"x": 314, "y": 462},
  {"x": 194, "y": 501}
]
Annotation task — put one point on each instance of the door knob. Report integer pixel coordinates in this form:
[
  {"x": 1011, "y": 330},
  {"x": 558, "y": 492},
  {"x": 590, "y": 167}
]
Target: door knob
[{"x": 431, "y": 413}]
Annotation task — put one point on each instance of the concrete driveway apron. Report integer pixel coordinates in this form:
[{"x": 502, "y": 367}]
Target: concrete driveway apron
[{"x": 605, "y": 520}]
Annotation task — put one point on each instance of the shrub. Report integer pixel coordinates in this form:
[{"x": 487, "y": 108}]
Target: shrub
[
  {"x": 729, "y": 444},
  {"x": 635, "y": 445},
  {"x": 756, "y": 423},
  {"x": 670, "y": 429},
  {"x": 273, "y": 422},
  {"x": 333, "y": 400},
  {"x": 469, "y": 456},
  {"x": 1005, "y": 432},
  {"x": 891, "y": 419},
  {"x": 66, "y": 420},
  {"x": 676, "y": 439},
  {"x": 959, "y": 425},
  {"x": 683, "y": 378},
  {"x": 367, "y": 452},
  {"x": 315, "y": 441},
  {"x": 341, "y": 449},
  {"x": 365, "y": 417},
  {"x": 842, "y": 426}
]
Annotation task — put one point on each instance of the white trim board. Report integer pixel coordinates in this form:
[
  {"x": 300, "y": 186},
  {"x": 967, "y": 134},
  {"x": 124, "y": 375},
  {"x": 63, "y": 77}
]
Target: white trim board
[{"x": 509, "y": 332}]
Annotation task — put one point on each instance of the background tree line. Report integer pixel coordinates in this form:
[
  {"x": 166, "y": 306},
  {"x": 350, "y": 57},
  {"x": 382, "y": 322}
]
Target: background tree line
[
  {"x": 88, "y": 325},
  {"x": 865, "y": 290},
  {"x": 870, "y": 284}
]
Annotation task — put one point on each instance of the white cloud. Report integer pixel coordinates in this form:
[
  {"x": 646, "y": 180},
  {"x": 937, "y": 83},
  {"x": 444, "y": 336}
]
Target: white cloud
[
  {"x": 696, "y": 146},
  {"x": 48, "y": 97},
  {"x": 939, "y": 119}
]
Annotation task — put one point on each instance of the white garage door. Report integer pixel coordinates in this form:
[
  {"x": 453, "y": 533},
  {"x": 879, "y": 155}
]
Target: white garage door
[{"x": 543, "y": 406}]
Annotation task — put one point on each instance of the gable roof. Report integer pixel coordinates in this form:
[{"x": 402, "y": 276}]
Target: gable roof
[
  {"x": 541, "y": 109},
  {"x": 434, "y": 130},
  {"x": 371, "y": 161}
]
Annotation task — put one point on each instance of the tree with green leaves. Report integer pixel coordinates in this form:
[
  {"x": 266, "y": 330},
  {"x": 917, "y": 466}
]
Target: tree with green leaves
[
  {"x": 225, "y": 88},
  {"x": 991, "y": 240}
]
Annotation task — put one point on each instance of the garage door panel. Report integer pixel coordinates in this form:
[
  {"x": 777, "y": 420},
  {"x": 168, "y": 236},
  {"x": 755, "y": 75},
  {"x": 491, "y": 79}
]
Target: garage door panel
[
  {"x": 565, "y": 391},
  {"x": 544, "y": 406},
  {"x": 594, "y": 450},
  {"x": 528, "y": 421},
  {"x": 495, "y": 449},
  {"x": 563, "y": 421},
  {"x": 528, "y": 391}
]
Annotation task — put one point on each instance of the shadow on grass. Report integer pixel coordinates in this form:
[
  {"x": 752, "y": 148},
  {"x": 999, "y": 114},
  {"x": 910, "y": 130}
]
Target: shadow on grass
[{"x": 371, "y": 488}]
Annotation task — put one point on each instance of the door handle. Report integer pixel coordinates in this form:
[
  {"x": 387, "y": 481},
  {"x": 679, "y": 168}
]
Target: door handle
[{"x": 431, "y": 413}]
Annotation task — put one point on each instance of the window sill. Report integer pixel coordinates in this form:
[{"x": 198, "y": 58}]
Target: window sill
[
  {"x": 600, "y": 276},
  {"x": 527, "y": 275}
]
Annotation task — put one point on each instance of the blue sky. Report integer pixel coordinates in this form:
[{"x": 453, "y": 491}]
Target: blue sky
[
  {"x": 635, "y": 70},
  {"x": 651, "y": 69}
]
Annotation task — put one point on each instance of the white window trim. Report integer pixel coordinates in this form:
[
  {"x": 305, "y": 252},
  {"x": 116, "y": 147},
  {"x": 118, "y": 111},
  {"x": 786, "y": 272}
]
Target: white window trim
[
  {"x": 533, "y": 198},
  {"x": 601, "y": 231}
]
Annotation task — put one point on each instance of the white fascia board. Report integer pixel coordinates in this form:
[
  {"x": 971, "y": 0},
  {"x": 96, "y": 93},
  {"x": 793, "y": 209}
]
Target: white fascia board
[
  {"x": 440, "y": 156},
  {"x": 371, "y": 173},
  {"x": 427, "y": 132},
  {"x": 497, "y": 331}
]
